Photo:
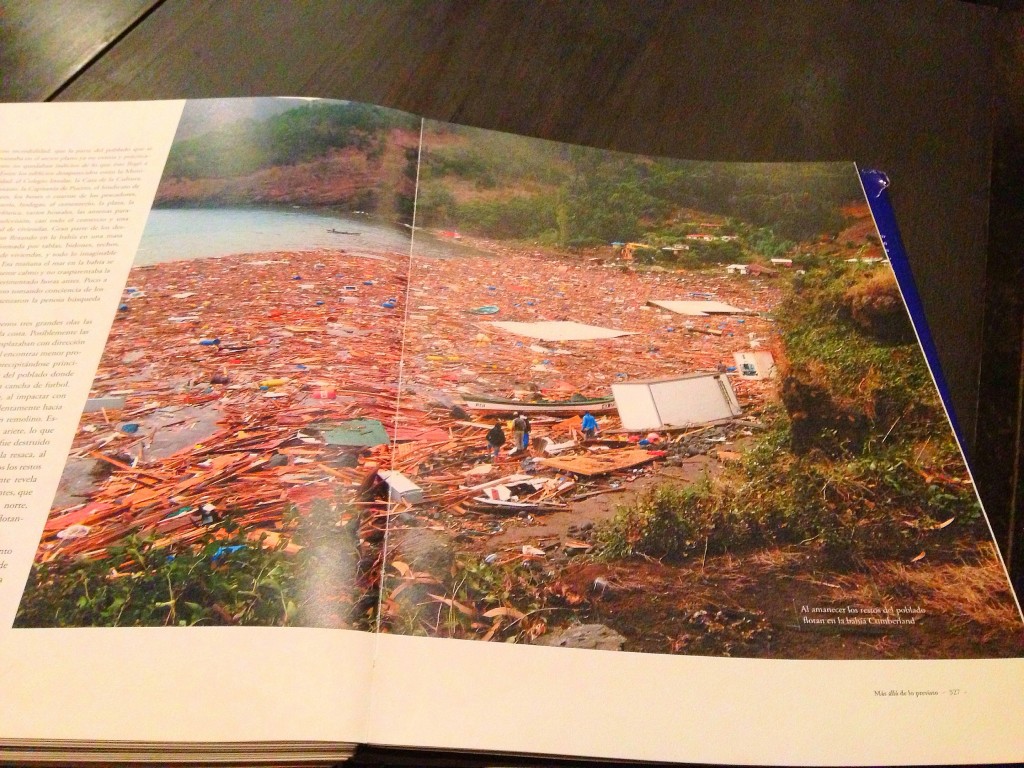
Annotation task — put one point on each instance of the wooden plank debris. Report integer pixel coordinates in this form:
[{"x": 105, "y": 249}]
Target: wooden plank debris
[
  {"x": 600, "y": 464},
  {"x": 329, "y": 362}
]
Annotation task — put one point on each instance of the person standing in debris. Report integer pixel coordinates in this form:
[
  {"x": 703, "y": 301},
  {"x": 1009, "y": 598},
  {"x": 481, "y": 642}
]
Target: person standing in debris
[
  {"x": 588, "y": 425},
  {"x": 520, "y": 432},
  {"x": 495, "y": 439},
  {"x": 525, "y": 437},
  {"x": 517, "y": 432}
]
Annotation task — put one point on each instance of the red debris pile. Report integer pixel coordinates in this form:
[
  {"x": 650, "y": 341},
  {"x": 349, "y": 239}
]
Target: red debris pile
[{"x": 251, "y": 385}]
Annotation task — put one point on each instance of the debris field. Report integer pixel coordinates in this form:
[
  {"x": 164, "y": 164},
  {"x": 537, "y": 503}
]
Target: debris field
[{"x": 247, "y": 386}]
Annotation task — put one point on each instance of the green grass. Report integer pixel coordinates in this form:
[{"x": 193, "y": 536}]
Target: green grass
[
  {"x": 858, "y": 462},
  {"x": 225, "y": 578}
]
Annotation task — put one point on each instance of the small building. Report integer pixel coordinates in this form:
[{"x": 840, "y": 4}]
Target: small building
[
  {"x": 782, "y": 262},
  {"x": 736, "y": 269},
  {"x": 682, "y": 401},
  {"x": 755, "y": 364}
]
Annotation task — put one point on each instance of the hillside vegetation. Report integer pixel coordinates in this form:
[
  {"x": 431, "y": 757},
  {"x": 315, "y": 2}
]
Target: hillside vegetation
[
  {"x": 495, "y": 185},
  {"x": 503, "y": 186},
  {"x": 344, "y": 156},
  {"x": 296, "y": 136},
  {"x": 858, "y": 461}
]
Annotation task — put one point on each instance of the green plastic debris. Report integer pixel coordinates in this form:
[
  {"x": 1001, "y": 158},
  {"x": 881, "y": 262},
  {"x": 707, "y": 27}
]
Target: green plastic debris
[{"x": 357, "y": 432}]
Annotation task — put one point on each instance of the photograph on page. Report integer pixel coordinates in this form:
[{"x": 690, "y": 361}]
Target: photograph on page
[
  {"x": 688, "y": 414},
  {"x": 225, "y": 470}
]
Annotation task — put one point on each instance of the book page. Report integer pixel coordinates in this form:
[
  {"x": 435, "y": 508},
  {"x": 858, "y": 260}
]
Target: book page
[
  {"x": 628, "y": 453},
  {"x": 192, "y": 401},
  {"x": 678, "y": 462}
]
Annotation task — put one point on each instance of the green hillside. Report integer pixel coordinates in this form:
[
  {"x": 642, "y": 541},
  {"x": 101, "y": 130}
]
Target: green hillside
[
  {"x": 503, "y": 186},
  {"x": 298, "y": 135},
  {"x": 509, "y": 187}
]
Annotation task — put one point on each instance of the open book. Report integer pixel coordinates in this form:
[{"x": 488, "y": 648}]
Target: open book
[{"x": 325, "y": 425}]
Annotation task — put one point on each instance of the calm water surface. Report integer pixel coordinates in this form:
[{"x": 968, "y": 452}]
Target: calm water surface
[{"x": 174, "y": 234}]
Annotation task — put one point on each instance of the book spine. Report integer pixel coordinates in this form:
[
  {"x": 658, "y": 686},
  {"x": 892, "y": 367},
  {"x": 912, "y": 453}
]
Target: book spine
[{"x": 876, "y": 191}]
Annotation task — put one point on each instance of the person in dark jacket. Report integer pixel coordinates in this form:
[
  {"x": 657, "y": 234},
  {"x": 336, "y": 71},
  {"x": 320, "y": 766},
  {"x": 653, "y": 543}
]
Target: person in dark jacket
[{"x": 495, "y": 439}]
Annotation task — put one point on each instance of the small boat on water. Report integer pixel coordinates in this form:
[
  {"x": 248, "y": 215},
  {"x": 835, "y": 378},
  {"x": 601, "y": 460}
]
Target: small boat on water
[
  {"x": 507, "y": 405},
  {"x": 342, "y": 232}
]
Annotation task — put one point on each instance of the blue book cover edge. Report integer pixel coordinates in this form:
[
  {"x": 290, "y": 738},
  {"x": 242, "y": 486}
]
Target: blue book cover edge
[{"x": 876, "y": 191}]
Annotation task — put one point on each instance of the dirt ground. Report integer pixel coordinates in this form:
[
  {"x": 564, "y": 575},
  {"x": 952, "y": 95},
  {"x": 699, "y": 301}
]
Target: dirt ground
[
  {"x": 772, "y": 603},
  {"x": 585, "y": 514},
  {"x": 755, "y": 606}
]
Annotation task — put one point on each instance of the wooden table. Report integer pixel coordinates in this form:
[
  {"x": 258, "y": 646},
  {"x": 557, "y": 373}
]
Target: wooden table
[{"x": 907, "y": 88}]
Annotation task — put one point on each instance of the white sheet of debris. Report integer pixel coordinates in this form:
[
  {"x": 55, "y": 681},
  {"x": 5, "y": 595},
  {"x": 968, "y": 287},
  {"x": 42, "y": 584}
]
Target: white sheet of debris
[
  {"x": 561, "y": 330},
  {"x": 699, "y": 308}
]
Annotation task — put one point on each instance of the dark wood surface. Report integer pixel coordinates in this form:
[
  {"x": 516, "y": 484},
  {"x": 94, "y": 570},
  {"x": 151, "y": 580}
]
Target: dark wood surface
[
  {"x": 998, "y": 465},
  {"x": 904, "y": 87},
  {"x": 45, "y": 43}
]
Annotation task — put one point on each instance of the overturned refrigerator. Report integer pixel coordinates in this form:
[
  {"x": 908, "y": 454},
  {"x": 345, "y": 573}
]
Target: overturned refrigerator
[{"x": 678, "y": 401}]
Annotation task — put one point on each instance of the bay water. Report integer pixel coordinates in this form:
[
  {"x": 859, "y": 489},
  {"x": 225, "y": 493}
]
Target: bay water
[{"x": 173, "y": 234}]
